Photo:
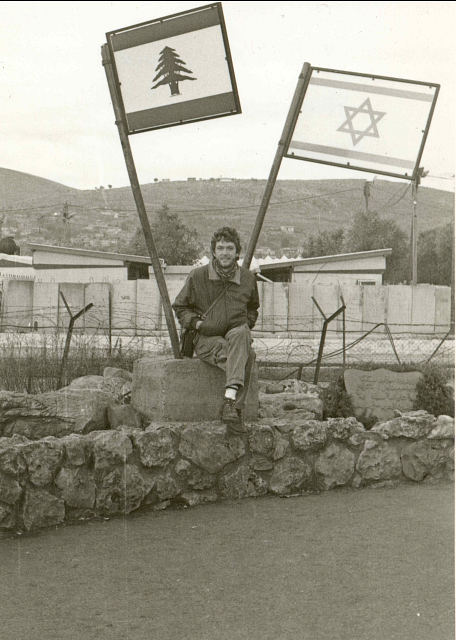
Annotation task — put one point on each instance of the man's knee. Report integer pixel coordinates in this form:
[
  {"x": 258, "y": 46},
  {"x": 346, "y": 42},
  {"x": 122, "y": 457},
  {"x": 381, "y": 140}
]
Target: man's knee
[{"x": 239, "y": 333}]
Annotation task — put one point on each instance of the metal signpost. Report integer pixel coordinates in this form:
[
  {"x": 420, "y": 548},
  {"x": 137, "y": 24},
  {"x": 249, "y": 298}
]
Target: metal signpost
[
  {"x": 158, "y": 76},
  {"x": 359, "y": 121}
]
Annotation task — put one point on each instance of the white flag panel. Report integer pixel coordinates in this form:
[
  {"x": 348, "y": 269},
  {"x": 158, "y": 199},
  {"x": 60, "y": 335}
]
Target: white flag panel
[{"x": 362, "y": 121}]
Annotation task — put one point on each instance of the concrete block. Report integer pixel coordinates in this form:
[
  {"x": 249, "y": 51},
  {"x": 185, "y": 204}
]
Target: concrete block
[{"x": 188, "y": 389}]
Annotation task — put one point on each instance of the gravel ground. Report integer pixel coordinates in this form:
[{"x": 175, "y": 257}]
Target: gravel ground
[{"x": 374, "y": 564}]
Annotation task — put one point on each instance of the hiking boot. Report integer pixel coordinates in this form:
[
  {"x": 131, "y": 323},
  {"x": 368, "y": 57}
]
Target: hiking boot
[
  {"x": 237, "y": 428},
  {"x": 230, "y": 414}
]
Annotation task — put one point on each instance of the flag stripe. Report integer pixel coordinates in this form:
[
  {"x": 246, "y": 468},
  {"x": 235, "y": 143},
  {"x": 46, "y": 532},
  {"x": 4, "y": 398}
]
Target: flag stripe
[
  {"x": 168, "y": 29},
  {"x": 206, "y": 107},
  {"x": 368, "y": 88},
  {"x": 347, "y": 153}
]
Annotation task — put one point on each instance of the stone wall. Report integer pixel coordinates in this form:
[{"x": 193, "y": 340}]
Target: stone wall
[{"x": 109, "y": 472}]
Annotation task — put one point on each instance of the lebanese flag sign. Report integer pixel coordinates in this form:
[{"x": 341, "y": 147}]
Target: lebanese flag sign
[{"x": 365, "y": 122}]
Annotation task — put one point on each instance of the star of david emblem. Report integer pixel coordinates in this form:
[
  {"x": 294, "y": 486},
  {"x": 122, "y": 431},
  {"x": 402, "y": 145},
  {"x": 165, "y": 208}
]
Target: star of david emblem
[{"x": 365, "y": 110}]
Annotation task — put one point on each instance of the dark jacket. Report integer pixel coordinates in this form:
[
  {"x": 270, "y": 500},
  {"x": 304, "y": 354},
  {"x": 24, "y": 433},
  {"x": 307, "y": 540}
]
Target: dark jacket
[{"x": 238, "y": 303}]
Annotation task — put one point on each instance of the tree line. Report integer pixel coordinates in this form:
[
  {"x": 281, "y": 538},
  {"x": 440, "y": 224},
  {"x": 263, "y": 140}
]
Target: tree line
[{"x": 178, "y": 244}]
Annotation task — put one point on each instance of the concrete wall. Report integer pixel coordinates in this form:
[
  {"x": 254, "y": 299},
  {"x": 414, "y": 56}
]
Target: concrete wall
[{"x": 136, "y": 309}]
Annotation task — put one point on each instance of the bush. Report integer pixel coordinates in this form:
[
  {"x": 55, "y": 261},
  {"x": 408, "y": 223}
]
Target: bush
[
  {"x": 433, "y": 393},
  {"x": 336, "y": 400}
]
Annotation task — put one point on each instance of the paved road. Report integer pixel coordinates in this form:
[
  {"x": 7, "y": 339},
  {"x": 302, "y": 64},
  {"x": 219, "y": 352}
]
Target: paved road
[{"x": 345, "y": 565}]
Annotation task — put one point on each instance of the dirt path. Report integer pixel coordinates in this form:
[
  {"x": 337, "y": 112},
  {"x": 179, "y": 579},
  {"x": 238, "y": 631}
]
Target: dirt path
[{"x": 366, "y": 565}]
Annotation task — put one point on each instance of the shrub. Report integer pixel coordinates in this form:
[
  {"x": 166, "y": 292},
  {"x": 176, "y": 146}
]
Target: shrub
[
  {"x": 433, "y": 393},
  {"x": 336, "y": 400}
]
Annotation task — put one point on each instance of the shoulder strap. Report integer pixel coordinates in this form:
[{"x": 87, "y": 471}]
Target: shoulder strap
[{"x": 212, "y": 305}]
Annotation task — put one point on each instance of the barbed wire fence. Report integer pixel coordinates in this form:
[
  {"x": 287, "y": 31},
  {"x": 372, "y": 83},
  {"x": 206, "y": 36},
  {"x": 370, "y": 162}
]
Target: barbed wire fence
[{"x": 104, "y": 337}]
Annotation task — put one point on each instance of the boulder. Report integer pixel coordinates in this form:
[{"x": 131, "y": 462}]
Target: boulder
[
  {"x": 115, "y": 372},
  {"x": 77, "y": 487},
  {"x": 242, "y": 482},
  {"x": 311, "y": 434},
  {"x": 56, "y": 413},
  {"x": 155, "y": 446},
  {"x": 344, "y": 428},
  {"x": 87, "y": 382},
  {"x": 425, "y": 458},
  {"x": 110, "y": 448},
  {"x": 287, "y": 403},
  {"x": 186, "y": 389},
  {"x": 122, "y": 490},
  {"x": 76, "y": 449},
  {"x": 194, "y": 498},
  {"x": 42, "y": 509},
  {"x": 443, "y": 429},
  {"x": 7, "y": 517},
  {"x": 11, "y": 460},
  {"x": 10, "y": 490},
  {"x": 123, "y": 415},
  {"x": 334, "y": 466},
  {"x": 291, "y": 474},
  {"x": 43, "y": 459},
  {"x": 379, "y": 461},
  {"x": 261, "y": 463},
  {"x": 207, "y": 446},
  {"x": 261, "y": 439},
  {"x": 165, "y": 486},
  {"x": 414, "y": 424},
  {"x": 194, "y": 476}
]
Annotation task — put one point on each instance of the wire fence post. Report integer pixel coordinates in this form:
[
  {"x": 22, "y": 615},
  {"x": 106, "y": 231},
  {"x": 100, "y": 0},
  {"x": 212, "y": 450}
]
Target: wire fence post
[
  {"x": 66, "y": 350},
  {"x": 323, "y": 336}
]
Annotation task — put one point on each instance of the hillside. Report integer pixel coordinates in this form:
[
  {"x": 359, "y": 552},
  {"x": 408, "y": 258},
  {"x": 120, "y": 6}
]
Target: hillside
[{"x": 33, "y": 209}]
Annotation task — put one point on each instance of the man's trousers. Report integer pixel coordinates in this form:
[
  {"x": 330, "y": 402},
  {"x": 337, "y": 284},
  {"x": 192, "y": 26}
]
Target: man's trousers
[{"x": 233, "y": 354}]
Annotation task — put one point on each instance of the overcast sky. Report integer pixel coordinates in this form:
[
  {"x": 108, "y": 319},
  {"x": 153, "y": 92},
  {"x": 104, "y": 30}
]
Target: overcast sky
[{"x": 57, "y": 120}]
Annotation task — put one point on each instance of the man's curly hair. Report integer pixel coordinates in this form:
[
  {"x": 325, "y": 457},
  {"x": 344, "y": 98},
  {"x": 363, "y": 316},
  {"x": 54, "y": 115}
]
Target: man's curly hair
[{"x": 228, "y": 234}]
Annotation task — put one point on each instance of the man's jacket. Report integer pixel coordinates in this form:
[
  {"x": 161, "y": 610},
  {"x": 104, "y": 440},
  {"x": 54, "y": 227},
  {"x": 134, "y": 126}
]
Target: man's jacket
[{"x": 238, "y": 303}]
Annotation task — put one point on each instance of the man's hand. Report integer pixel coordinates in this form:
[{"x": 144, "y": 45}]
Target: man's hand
[{"x": 198, "y": 324}]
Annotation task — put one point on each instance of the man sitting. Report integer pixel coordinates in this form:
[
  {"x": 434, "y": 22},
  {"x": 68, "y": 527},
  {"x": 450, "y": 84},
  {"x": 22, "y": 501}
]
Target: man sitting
[{"x": 229, "y": 295}]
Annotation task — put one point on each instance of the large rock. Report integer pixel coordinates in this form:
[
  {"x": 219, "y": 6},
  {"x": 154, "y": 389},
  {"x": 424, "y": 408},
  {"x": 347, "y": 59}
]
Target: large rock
[
  {"x": 7, "y": 517},
  {"x": 334, "y": 466},
  {"x": 165, "y": 486},
  {"x": 76, "y": 449},
  {"x": 10, "y": 490},
  {"x": 379, "y": 461},
  {"x": 123, "y": 415},
  {"x": 42, "y": 509},
  {"x": 77, "y": 486},
  {"x": 110, "y": 448},
  {"x": 415, "y": 424},
  {"x": 242, "y": 482},
  {"x": 122, "y": 490},
  {"x": 155, "y": 446},
  {"x": 380, "y": 392},
  {"x": 187, "y": 389},
  {"x": 311, "y": 434},
  {"x": 344, "y": 428},
  {"x": 115, "y": 372},
  {"x": 425, "y": 458},
  {"x": 261, "y": 439},
  {"x": 291, "y": 474},
  {"x": 194, "y": 476},
  {"x": 11, "y": 460},
  {"x": 207, "y": 446},
  {"x": 444, "y": 428},
  {"x": 290, "y": 403},
  {"x": 56, "y": 413},
  {"x": 43, "y": 459}
]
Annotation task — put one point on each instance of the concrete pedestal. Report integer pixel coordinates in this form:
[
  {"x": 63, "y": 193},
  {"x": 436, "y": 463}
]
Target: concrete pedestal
[{"x": 188, "y": 389}]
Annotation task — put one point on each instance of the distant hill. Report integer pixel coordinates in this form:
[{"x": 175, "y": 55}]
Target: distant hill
[{"x": 33, "y": 209}]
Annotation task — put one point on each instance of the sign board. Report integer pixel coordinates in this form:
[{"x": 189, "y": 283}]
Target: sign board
[
  {"x": 174, "y": 70},
  {"x": 364, "y": 122}
]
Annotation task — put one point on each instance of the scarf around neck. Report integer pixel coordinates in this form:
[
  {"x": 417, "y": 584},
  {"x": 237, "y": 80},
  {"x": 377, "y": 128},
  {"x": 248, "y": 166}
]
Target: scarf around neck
[{"x": 224, "y": 274}]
